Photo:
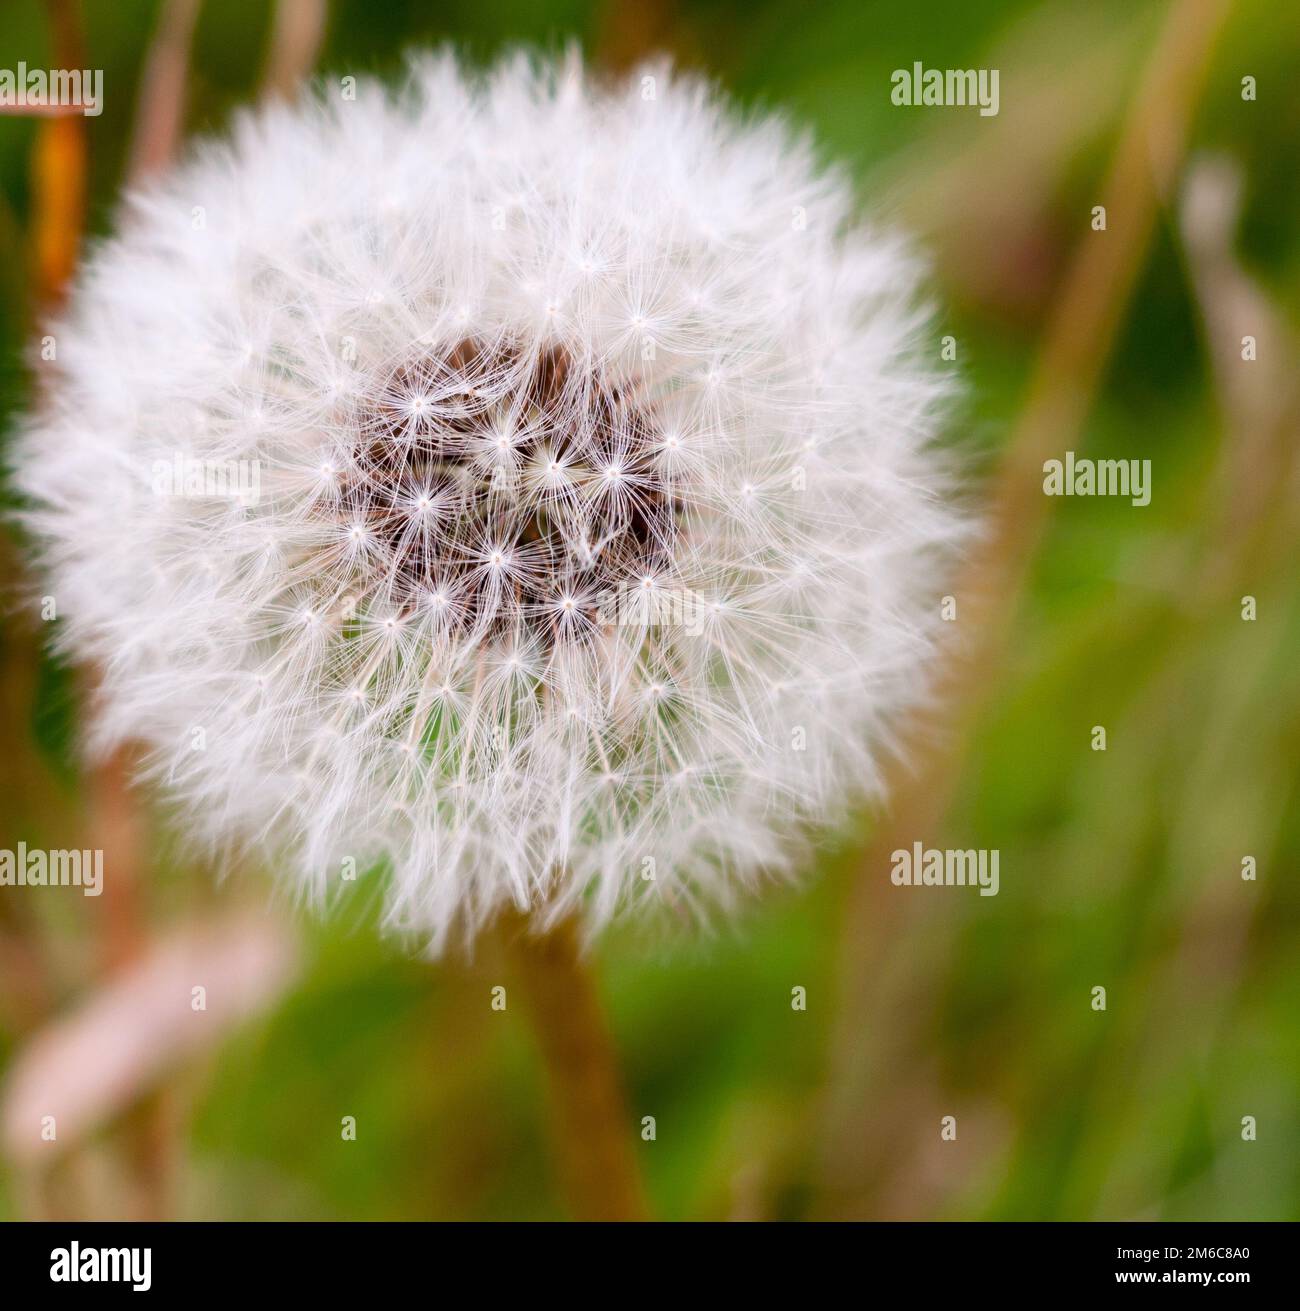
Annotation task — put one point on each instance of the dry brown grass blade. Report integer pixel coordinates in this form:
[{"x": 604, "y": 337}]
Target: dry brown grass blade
[
  {"x": 59, "y": 167},
  {"x": 121, "y": 1042},
  {"x": 295, "y": 44},
  {"x": 1258, "y": 399},
  {"x": 633, "y": 30},
  {"x": 59, "y": 211},
  {"x": 29, "y": 976},
  {"x": 1077, "y": 340},
  {"x": 160, "y": 108}
]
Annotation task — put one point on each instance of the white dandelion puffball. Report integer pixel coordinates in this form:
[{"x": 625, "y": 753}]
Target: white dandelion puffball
[{"x": 513, "y": 488}]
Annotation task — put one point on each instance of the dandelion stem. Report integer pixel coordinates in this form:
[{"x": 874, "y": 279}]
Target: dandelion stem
[{"x": 591, "y": 1129}]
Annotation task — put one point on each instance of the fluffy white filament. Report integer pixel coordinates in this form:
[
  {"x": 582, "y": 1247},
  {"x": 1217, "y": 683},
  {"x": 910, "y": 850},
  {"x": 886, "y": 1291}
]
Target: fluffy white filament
[{"x": 511, "y": 487}]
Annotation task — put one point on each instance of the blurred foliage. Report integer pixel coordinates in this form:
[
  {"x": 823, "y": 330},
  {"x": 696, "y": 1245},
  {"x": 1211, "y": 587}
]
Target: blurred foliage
[{"x": 1119, "y": 869}]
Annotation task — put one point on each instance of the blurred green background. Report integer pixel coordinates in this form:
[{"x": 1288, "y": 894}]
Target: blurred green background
[{"x": 1119, "y": 869}]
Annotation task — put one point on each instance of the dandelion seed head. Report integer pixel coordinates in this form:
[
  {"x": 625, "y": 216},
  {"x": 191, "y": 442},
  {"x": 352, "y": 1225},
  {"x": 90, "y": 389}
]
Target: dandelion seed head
[{"x": 599, "y": 514}]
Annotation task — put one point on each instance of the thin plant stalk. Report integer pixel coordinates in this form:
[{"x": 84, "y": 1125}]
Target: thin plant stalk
[{"x": 592, "y": 1131}]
